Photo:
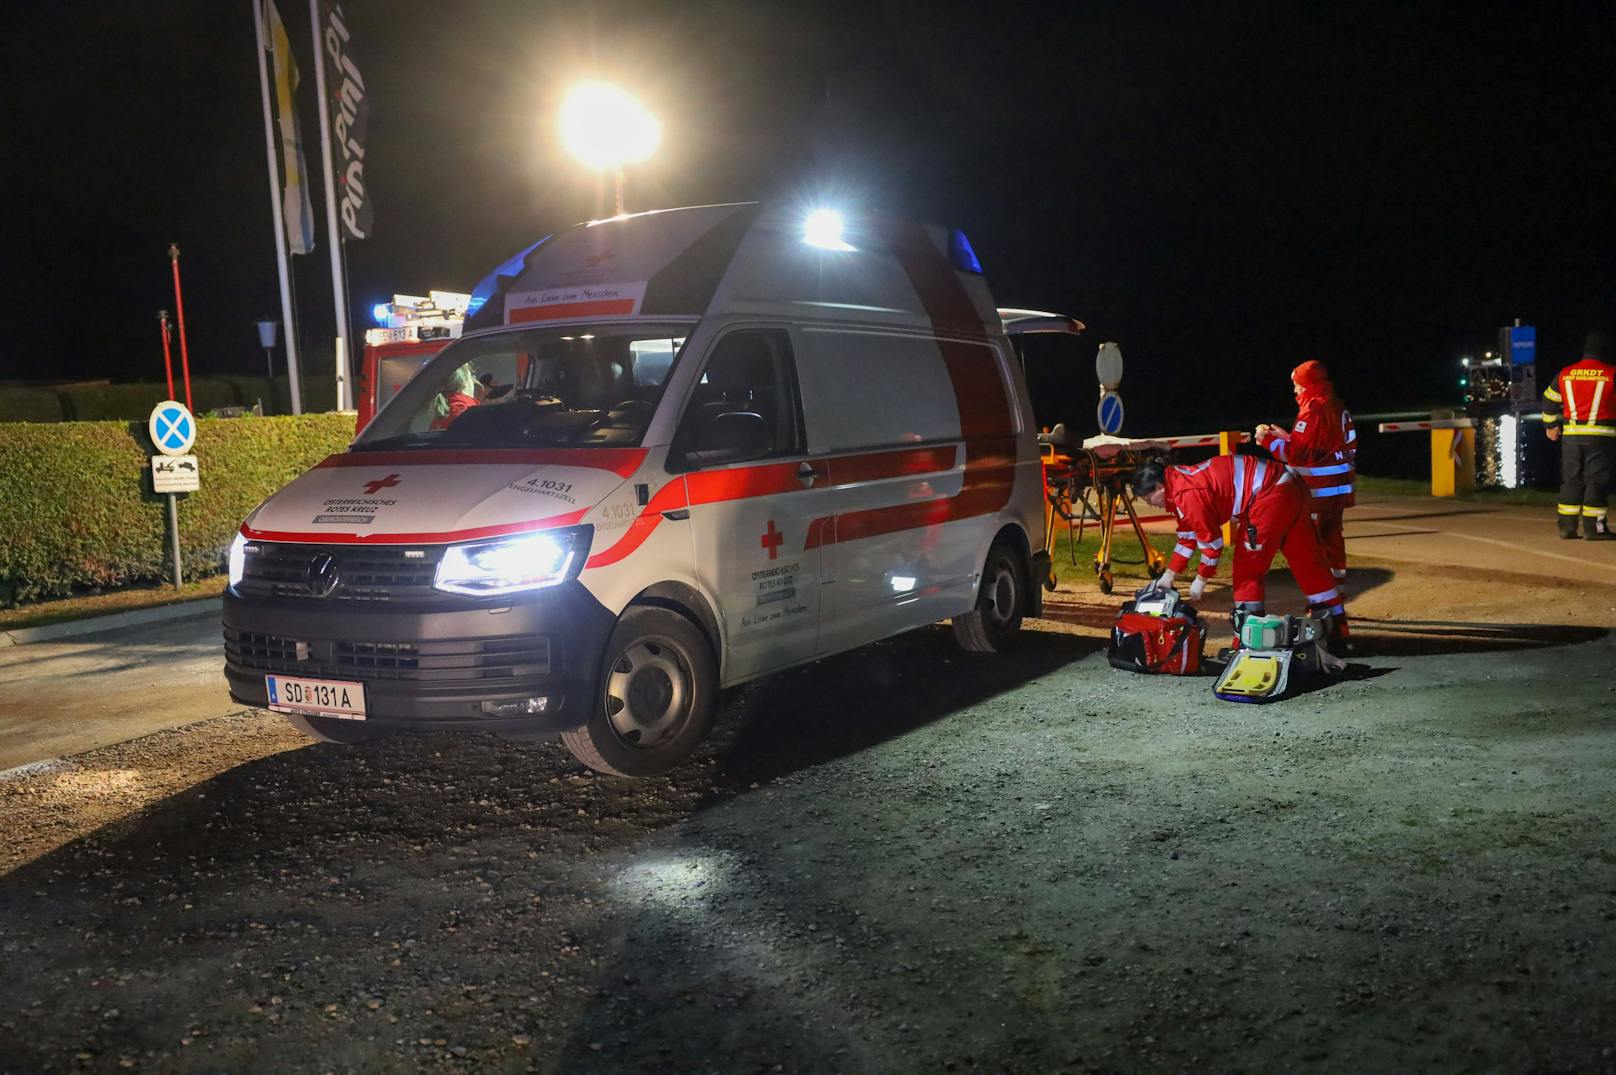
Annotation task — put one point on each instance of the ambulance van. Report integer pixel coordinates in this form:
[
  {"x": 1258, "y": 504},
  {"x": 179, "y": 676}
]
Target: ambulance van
[{"x": 671, "y": 452}]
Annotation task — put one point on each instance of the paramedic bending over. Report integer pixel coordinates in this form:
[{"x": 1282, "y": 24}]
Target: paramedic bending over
[{"x": 1269, "y": 507}]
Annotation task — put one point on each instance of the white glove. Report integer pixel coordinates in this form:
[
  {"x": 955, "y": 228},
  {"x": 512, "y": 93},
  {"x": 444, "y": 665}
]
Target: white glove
[
  {"x": 1164, "y": 581},
  {"x": 1197, "y": 588}
]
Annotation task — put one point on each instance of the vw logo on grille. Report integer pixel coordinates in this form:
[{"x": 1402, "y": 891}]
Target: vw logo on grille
[{"x": 321, "y": 577}]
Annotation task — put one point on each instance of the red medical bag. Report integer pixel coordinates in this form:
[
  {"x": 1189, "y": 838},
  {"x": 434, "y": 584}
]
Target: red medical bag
[{"x": 1156, "y": 633}]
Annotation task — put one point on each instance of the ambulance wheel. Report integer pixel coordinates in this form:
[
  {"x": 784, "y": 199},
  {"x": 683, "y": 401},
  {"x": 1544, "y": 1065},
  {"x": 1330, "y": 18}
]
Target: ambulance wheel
[
  {"x": 331, "y": 730},
  {"x": 658, "y": 696},
  {"x": 1001, "y": 601}
]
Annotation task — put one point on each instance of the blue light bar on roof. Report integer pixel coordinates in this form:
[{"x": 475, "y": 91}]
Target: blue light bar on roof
[
  {"x": 491, "y": 284},
  {"x": 961, "y": 254}
]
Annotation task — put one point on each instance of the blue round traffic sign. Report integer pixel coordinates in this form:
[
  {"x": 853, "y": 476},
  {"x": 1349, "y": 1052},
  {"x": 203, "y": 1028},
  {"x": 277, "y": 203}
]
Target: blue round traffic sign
[
  {"x": 1109, "y": 413},
  {"x": 172, "y": 428}
]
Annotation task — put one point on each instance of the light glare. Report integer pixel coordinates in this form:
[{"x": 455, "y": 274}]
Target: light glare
[
  {"x": 527, "y": 562},
  {"x": 606, "y": 128},
  {"x": 823, "y": 229}
]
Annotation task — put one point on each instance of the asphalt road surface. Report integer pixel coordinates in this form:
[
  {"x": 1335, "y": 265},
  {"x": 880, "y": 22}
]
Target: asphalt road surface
[{"x": 65, "y": 697}]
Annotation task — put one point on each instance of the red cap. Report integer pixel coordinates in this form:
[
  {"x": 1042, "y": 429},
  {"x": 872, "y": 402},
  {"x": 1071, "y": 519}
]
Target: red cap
[{"x": 1311, "y": 374}]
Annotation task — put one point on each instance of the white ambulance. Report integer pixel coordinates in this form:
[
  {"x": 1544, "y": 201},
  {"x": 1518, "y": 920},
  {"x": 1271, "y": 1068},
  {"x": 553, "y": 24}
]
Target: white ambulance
[{"x": 671, "y": 452}]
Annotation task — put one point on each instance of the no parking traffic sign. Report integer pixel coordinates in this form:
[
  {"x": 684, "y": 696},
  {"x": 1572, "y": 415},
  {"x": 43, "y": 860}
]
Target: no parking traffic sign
[
  {"x": 1109, "y": 412},
  {"x": 172, "y": 428}
]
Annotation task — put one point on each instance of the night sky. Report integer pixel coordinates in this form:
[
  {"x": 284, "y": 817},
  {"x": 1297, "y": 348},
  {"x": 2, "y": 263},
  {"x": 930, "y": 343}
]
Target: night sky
[{"x": 1226, "y": 189}]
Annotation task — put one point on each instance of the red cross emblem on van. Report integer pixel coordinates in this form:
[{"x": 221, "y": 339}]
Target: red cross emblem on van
[
  {"x": 772, "y": 540},
  {"x": 376, "y": 485}
]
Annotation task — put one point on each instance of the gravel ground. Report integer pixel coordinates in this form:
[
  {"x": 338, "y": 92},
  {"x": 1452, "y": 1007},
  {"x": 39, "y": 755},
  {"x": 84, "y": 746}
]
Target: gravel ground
[{"x": 896, "y": 860}]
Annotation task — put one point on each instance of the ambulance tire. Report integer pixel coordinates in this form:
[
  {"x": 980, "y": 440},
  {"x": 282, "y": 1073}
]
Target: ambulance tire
[
  {"x": 329, "y": 730},
  {"x": 660, "y": 678},
  {"x": 1001, "y": 602}
]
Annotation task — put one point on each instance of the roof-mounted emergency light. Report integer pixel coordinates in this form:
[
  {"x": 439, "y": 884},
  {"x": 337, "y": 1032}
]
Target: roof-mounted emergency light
[
  {"x": 961, "y": 253},
  {"x": 823, "y": 228},
  {"x": 382, "y": 312}
]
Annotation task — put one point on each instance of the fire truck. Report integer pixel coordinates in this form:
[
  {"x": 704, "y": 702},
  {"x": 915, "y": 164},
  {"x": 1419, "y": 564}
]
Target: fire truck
[{"x": 409, "y": 331}]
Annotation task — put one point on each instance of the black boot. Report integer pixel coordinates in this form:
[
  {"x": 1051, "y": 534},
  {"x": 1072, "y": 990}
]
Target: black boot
[
  {"x": 1596, "y": 528},
  {"x": 1568, "y": 527}
]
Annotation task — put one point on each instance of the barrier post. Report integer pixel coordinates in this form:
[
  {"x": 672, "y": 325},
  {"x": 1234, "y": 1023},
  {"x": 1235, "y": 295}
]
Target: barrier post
[
  {"x": 1453, "y": 461},
  {"x": 1228, "y": 441}
]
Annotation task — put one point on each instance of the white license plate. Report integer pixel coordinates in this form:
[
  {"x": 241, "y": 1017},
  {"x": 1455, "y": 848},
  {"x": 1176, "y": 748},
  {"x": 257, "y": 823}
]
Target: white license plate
[{"x": 322, "y": 697}]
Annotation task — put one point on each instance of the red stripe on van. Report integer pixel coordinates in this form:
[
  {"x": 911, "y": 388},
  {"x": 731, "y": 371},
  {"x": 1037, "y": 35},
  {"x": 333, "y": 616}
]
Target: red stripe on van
[
  {"x": 773, "y": 479},
  {"x": 620, "y": 461},
  {"x": 431, "y": 538},
  {"x": 897, "y": 464},
  {"x": 562, "y": 311},
  {"x": 670, "y": 497}
]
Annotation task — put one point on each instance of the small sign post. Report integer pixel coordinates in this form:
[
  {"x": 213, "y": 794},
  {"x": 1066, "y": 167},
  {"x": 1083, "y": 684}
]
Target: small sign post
[{"x": 173, "y": 431}]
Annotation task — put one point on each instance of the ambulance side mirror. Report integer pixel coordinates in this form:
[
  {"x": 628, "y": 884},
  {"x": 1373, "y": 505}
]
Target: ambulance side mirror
[{"x": 730, "y": 438}]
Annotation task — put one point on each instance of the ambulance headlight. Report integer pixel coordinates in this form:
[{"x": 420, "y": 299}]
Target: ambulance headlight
[
  {"x": 237, "y": 559},
  {"x": 513, "y": 564}
]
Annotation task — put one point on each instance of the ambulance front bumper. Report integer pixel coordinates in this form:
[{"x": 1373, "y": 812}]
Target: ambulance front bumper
[{"x": 447, "y": 668}]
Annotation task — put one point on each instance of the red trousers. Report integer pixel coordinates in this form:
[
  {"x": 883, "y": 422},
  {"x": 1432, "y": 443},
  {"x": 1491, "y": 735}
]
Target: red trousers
[
  {"x": 1282, "y": 516},
  {"x": 1327, "y": 513}
]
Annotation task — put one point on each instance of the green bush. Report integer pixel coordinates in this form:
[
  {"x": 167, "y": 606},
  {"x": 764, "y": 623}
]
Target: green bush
[
  {"x": 77, "y": 511},
  {"x": 19, "y": 403}
]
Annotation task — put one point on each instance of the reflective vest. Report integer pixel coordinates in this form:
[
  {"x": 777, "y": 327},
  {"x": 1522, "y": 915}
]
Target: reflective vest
[
  {"x": 1584, "y": 396},
  {"x": 1207, "y": 495},
  {"x": 1322, "y": 447}
]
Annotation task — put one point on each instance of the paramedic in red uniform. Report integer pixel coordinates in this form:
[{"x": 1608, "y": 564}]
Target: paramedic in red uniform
[
  {"x": 1323, "y": 448},
  {"x": 1269, "y": 508},
  {"x": 1579, "y": 411}
]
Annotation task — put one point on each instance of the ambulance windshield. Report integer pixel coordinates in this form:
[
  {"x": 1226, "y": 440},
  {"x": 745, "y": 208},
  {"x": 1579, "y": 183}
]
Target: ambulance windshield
[{"x": 574, "y": 386}]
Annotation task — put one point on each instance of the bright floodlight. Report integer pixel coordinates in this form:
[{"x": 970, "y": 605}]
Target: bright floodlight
[
  {"x": 823, "y": 229},
  {"x": 606, "y": 128}
]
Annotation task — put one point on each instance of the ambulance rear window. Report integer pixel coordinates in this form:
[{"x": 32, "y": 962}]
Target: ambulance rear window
[{"x": 571, "y": 386}]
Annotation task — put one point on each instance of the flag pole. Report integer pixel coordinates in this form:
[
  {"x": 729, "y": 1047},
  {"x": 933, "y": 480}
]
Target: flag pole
[
  {"x": 339, "y": 276},
  {"x": 275, "y": 207}
]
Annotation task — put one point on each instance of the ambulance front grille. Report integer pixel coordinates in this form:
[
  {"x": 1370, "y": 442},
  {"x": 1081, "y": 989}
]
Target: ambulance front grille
[
  {"x": 441, "y": 661},
  {"x": 393, "y": 574}
]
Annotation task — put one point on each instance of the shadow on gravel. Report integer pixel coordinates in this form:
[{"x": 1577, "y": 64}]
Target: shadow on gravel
[
  {"x": 806, "y": 716},
  {"x": 1431, "y": 638}
]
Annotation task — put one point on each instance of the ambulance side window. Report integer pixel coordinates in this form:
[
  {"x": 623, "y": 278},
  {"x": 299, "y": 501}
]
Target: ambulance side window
[{"x": 745, "y": 405}]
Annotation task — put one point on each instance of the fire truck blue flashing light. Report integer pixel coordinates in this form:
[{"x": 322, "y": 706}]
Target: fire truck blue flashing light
[
  {"x": 961, "y": 253},
  {"x": 382, "y": 312}
]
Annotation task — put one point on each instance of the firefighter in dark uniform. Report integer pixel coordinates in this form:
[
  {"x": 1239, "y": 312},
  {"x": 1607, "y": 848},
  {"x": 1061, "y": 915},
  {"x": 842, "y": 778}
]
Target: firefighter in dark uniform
[{"x": 1579, "y": 411}]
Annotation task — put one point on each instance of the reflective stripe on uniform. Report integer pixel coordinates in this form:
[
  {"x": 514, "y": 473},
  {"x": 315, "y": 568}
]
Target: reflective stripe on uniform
[
  {"x": 1277, "y": 446},
  {"x": 1589, "y": 429},
  {"x": 1571, "y": 402},
  {"x": 1569, "y": 509},
  {"x": 1319, "y": 472},
  {"x": 1593, "y": 513},
  {"x": 1333, "y": 490},
  {"x": 1553, "y": 394}
]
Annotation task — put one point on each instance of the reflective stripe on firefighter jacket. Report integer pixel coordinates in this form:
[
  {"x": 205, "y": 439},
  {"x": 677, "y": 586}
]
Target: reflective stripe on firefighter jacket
[
  {"x": 1209, "y": 494},
  {"x": 1583, "y": 398},
  {"x": 1322, "y": 447}
]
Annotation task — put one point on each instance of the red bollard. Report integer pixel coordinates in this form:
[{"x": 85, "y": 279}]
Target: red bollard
[
  {"x": 179, "y": 310},
  {"x": 168, "y": 358}
]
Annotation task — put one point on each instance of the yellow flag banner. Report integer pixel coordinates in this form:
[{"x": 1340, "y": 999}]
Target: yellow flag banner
[{"x": 295, "y": 185}]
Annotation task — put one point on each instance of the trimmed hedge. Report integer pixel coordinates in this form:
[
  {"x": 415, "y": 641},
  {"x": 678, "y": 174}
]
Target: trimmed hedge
[
  {"x": 77, "y": 511},
  {"x": 133, "y": 402}
]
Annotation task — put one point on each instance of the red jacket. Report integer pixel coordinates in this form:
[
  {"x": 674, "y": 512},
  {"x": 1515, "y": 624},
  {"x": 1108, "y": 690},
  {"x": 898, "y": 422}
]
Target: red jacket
[
  {"x": 1322, "y": 448},
  {"x": 1584, "y": 394},
  {"x": 1209, "y": 494}
]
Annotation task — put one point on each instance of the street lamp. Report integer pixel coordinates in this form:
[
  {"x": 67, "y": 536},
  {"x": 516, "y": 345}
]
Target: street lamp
[
  {"x": 606, "y": 128},
  {"x": 266, "y": 339}
]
